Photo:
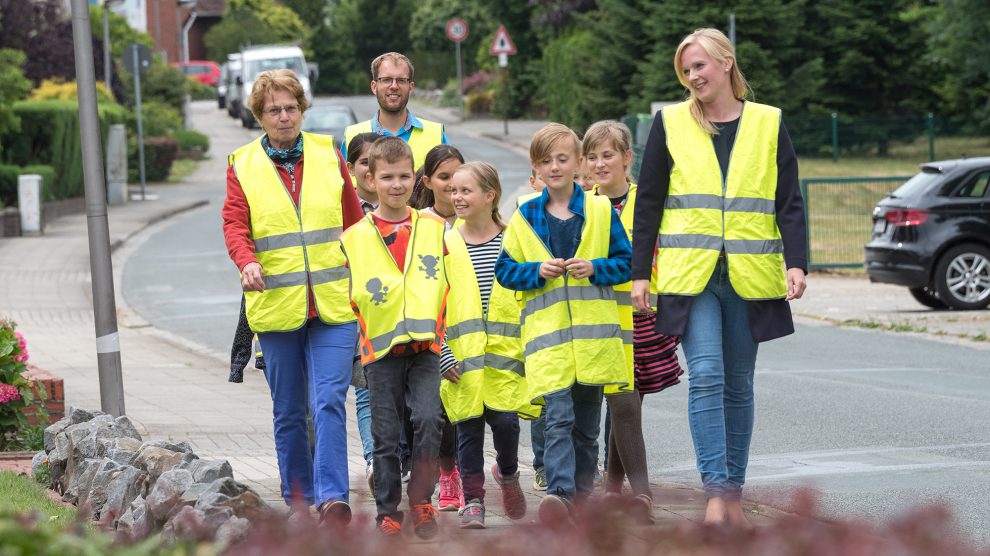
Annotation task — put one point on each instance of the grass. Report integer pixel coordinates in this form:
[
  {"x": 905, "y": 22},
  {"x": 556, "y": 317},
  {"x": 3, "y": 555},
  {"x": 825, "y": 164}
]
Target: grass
[
  {"x": 21, "y": 494},
  {"x": 181, "y": 169}
]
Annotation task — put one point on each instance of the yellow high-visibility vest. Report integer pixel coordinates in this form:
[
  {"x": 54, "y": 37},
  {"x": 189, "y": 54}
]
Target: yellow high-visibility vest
[
  {"x": 570, "y": 328},
  {"x": 296, "y": 246},
  {"x": 396, "y": 307},
  {"x": 488, "y": 347},
  {"x": 706, "y": 213},
  {"x": 421, "y": 140}
]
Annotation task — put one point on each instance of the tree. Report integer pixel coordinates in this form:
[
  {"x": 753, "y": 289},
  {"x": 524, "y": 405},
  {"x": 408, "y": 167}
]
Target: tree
[
  {"x": 960, "y": 50},
  {"x": 427, "y": 33},
  {"x": 13, "y": 87},
  {"x": 253, "y": 22}
]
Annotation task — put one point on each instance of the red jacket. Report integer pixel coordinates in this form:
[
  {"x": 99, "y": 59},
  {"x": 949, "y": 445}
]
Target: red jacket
[{"x": 236, "y": 213}]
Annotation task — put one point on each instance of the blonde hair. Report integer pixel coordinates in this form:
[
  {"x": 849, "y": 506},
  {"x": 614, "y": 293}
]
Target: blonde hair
[
  {"x": 267, "y": 82},
  {"x": 393, "y": 57},
  {"x": 548, "y": 136},
  {"x": 389, "y": 150},
  {"x": 486, "y": 177},
  {"x": 718, "y": 46}
]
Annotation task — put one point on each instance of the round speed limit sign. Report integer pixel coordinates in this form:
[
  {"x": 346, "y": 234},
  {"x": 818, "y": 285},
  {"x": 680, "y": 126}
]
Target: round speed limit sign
[{"x": 457, "y": 29}]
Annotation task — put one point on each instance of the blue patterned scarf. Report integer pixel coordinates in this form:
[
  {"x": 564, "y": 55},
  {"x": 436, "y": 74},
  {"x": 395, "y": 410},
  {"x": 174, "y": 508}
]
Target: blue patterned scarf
[{"x": 286, "y": 158}]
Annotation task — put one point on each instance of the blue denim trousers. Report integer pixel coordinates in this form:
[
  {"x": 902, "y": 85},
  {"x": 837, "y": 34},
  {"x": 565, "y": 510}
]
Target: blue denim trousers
[
  {"x": 721, "y": 358},
  {"x": 570, "y": 453},
  {"x": 362, "y": 403},
  {"x": 471, "y": 449},
  {"x": 310, "y": 367},
  {"x": 537, "y": 440}
]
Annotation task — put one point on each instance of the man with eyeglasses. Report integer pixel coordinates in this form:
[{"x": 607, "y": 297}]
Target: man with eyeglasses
[
  {"x": 392, "y": 83},
  {"x": 286, "y": 245}
]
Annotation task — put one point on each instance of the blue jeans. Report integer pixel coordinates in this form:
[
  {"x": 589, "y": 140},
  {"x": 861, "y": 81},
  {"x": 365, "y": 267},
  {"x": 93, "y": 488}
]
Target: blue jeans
[
  {"x": 471, "y": 449},
  {"x": 721, "y": 358},
  {"x": 537, "y": 440},
  {"x": 362, "y": 402},
  {"x": 311, "y": 365},
  {"x": 571, "y": 447}
]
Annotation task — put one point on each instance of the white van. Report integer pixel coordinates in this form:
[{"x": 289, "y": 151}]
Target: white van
[
  {"x": 232, "y": 90},
  {"x": 257, "y": 59}
]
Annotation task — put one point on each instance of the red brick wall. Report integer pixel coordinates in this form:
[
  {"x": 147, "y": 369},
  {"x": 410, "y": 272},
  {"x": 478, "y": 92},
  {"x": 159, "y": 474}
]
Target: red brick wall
[{"x": 52, "y": 389}]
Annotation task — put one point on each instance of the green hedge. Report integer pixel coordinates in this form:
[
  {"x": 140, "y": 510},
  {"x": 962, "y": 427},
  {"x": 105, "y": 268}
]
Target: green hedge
[
  {"x": 159, "y": 154},
  {"x": 190, "y": 140},
  {"x": 8, "y": 181},
  {"x": 50, "y": 135}
]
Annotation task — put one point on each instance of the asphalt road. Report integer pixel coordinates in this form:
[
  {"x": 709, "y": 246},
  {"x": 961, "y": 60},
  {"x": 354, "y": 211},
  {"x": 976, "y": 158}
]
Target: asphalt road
[{"x": 877, "y": 422}]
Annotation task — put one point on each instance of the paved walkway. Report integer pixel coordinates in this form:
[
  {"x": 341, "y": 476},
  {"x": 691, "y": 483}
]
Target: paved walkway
[{"x": 179, "y": 391}]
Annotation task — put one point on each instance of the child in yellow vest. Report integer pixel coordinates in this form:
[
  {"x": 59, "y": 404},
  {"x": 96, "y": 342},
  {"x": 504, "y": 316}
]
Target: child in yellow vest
[
  {"x": 395, "y": 256},
  {"x": 565, "y": 250}
]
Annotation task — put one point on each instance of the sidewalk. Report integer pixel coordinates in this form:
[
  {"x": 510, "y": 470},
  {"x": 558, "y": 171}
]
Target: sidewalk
[{"x": 178, "y": 391}]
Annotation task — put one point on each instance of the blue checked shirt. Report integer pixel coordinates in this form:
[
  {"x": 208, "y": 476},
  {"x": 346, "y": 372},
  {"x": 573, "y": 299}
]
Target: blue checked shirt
[
  {"x": 404, "y": 133},
  {"x": 610, "y": 271}
]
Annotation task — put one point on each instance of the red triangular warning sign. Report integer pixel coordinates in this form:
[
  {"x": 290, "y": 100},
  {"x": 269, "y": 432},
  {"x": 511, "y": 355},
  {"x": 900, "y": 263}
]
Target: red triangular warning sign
[{"x": 502, "y": 43}]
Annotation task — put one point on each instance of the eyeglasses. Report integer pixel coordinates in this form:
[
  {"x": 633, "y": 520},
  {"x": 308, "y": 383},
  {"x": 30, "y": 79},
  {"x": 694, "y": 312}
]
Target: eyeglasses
[
  {"x": 387, "y": 81},
  {"x": 275, "y": 111}
]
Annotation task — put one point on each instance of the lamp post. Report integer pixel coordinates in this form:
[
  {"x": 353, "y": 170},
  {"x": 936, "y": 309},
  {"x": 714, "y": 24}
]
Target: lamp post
[
  {"x": 182, "y": 47},
  {"x": 107, "y": 62}
]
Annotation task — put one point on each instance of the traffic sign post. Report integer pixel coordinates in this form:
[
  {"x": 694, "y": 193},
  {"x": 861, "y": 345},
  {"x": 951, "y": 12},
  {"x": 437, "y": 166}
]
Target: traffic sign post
[
  {"x": 137, "y": 60},
  {"x": 503, "y": 47},
  {"x": 457, "y": 31}
]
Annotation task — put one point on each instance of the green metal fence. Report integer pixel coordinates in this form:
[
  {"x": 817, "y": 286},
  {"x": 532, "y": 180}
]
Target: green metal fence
[{"x": 839, "y": 216}]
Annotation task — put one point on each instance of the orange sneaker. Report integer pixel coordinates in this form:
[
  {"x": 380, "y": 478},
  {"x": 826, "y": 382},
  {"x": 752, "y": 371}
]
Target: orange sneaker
[
  {"x": 425, "y": 520},
  {"x": 389, "y": 527}
]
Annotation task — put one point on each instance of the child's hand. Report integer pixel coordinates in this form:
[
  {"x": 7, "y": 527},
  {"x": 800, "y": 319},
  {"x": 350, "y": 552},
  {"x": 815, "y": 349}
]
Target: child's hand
[
  {"x": 579, "y": 268},
  {"x": 452, "y": 374},
  {"x": 551, "y": 269}
]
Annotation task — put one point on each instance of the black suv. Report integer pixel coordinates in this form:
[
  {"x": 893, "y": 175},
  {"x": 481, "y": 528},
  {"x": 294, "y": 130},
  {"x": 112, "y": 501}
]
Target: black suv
[{"x": 933, "y": 235}]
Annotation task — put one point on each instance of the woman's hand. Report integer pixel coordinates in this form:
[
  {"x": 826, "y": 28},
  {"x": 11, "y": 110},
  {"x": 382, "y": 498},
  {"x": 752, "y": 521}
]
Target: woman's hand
[
  {"x": 796, "y": 283},
  {"x": 551, "y": 269},
  {"x": 579, "y": 268},
  {"x": 641, "y": 296},
  {"x": 452, "y": 374},
  {"x": 253, "y": 278}
]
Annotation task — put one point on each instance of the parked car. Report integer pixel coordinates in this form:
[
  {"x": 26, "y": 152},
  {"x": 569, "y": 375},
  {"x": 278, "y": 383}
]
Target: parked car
[
  {"x": 222, "y": 86},
  {"x": 233, "y": 91},
  {"x": 257, "y": 59},
  {"x": 330, "y": 119},
  {"x": 205, "y": 71},
  {"x": 933, "y": 235}
]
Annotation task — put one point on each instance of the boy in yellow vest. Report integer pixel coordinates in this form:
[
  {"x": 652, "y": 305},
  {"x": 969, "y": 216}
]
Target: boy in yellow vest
[
  {"x": 398, "y": 287},
  {"x": 564, "y": 250}
]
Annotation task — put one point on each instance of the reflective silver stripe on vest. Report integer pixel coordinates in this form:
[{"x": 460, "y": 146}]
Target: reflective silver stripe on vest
[
  {"x": 624, "y": 299},
  {"x": 408, "y": 326},
  {"x": 753, "y": 246},
  {"x": 577, "y": 332},
  {"x": 273, "y": 281},
  {"x": 694, "y": 201},
  {"x": 330, "y": 275},
  {"x": 506, "y": 329},
  {"x": 281, "y": 241},
  {"x": 464, "y": 328},
  {"x": 627, "y": 337},
  {"x": 503, "y": 363},
  {"x": 475, "y": 363},
  {"x": 750, "y": 204},
  {"x": 690, "y": 241},
  {"x": 565, "y": 293}
]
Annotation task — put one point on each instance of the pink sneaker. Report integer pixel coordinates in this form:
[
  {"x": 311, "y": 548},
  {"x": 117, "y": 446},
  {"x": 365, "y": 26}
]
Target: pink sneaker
[{"x": 450, "y": 499}]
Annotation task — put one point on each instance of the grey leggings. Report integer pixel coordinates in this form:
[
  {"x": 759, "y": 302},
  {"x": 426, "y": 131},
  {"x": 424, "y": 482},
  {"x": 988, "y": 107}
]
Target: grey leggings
[{"x": 626, "y": 449}]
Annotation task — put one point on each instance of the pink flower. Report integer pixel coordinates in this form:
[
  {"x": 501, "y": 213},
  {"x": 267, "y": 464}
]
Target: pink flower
[{"x": 9, "y": 393}]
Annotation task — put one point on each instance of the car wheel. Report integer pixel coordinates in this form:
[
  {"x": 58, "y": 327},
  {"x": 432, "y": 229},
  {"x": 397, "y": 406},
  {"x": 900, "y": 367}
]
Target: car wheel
[
  {"x": 221, "y": 103},
  {"x": 928, "y": 297},
  {"x": 962, "y": 277}
]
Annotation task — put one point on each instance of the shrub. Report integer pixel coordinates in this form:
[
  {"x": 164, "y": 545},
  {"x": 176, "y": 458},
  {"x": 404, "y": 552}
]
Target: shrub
[
  {"x": 15, "y": 390},
  {"x": 60, "y": 89},
  {"x": 192, "y": 141},
  {"x": 159, "y": 154},
  {"x": 8, "y": 180},
  {"x": 50, "y": 135},
  {"x": 200, "y": 91},
  {"x": 158, "y": 119},
  {"x": 161, "y": 83}
]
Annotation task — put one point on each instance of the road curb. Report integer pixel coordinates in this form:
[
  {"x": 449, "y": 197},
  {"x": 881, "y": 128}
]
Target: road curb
[{"x": 172, "y": 212}]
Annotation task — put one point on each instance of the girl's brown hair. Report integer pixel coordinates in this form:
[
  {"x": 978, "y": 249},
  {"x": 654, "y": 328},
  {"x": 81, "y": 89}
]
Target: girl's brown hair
[
  {"x": 486, "y": 177},
  {"x": 422, "y": 196},
  {"x": 718, "y": 46}
]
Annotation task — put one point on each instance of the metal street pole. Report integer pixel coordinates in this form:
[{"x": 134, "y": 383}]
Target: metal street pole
[
  {"x": 101, "y": 268},
  {"x": 140, "y": 117},
  {"x": 460, "y": 76},
  {"x": 732, "y": 28},
  {"x": 107, "y": 74}
]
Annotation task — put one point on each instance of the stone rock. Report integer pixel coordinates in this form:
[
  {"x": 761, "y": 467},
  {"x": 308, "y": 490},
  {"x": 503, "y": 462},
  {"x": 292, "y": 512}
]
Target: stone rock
[
  {"x": 156, "y": 460},
  {"x": 208, "y": 470},
  {"x": 51, "y": 431},
  {"x": 135, "y": 524},
  {"x": 232, "y": 531},
  {"x": 127, "y": 484},
  {"x": 58, "y": 458},
  {"x": 181, "y": 447},
  {"x": 127, "y": 428},
  {"x": 165, "y": 493},
  {"x": 79, "y": 415},
  {"x": 240, "y": 498},
  {"x": 187, "y": 524},
  {"x": 80, "y": 479},
  {"x": 96, "y": 497},
  {"x": 216, "y": 517},
  {"x": 192, "y": 494},
  {"x": 40, "y": 459}
]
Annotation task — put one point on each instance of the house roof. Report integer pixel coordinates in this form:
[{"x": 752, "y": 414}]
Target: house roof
[{"x": 207, "y": 8}]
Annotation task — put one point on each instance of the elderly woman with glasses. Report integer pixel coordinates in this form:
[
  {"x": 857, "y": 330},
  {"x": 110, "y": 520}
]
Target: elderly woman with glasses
[{"x": 284, "y": 239}]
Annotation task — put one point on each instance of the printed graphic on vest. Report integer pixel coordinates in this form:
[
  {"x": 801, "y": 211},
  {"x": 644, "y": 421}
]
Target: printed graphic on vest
[
  {"x": 377, "y": 291},
  {"x": 430, "y": 265}
]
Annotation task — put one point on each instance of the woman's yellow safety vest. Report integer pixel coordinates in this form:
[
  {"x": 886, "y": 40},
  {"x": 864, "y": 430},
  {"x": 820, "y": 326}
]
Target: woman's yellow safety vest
[
  {"x": 296, "y": 246},
  {"x": 706, "y": 213},
  {"x": 421, "y": 140},
  {"x": 488, "y": 347},
  {"x": 570, "y": 328},
  {"x": 396, "y": 307}
]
